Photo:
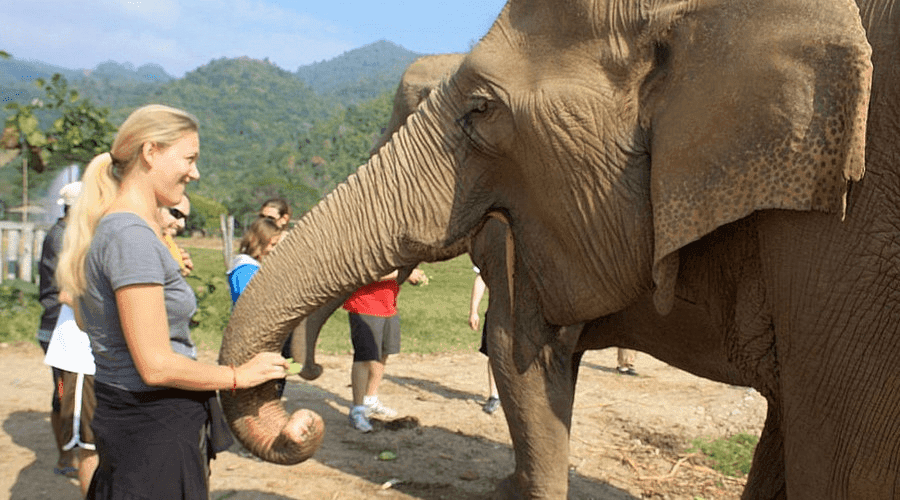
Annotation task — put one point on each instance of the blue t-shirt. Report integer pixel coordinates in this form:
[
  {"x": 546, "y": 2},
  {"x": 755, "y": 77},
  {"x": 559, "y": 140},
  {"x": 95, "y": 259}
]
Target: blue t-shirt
[
  {"x": 243, "y": 267},
  {"x": 126, "y": 251}
]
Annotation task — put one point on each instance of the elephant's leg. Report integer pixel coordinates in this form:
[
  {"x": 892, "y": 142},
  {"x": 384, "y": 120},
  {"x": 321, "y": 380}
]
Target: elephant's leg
[
  {"x": 766, "y": 478},
  {"x": 537, "y": 403},
  {"x": 303, "y": 342},
  {"x": 837, "y": 351}
]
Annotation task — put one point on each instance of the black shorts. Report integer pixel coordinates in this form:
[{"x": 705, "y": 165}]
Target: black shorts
[{"x": 374, "y": 337}]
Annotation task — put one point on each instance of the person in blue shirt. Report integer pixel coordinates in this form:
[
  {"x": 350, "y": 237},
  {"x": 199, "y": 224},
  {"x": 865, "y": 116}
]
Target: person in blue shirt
[{"x": 260, "y": 238}]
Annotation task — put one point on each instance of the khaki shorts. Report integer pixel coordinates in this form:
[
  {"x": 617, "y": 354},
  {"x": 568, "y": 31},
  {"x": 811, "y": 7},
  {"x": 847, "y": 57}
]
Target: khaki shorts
[{"x": 77, "y": 403}]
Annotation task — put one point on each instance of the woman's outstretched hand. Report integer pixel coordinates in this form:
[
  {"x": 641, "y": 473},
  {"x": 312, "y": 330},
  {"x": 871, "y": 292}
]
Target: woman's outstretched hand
[{"x": 261, "y": 368}]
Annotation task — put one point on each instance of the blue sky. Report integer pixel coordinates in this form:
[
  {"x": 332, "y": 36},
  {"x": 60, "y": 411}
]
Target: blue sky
[{"x": 181, "y": 35}]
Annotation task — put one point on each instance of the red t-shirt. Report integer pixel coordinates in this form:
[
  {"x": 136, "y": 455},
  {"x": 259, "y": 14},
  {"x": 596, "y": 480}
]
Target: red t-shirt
[{"x": 375, "y": 299}]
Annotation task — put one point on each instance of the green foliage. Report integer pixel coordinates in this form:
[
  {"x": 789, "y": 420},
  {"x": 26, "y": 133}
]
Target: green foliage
[
  {"x": 334, "y": 149},
  {"x": 82, "y": 131},
  {"x": 210, "y": 284},
  {"x": 731, "y": 456},
  {"x": 204, "y": 215},
  {"x": 20, "y": 311},
  {"x": 248, "y": 147},
  {"x": 79, "y": 131}
]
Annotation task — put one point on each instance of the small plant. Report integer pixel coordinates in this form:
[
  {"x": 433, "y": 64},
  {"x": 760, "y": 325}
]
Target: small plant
[
  {"x": 731, "y": 456},
  {"x": 20, "y": 311}
]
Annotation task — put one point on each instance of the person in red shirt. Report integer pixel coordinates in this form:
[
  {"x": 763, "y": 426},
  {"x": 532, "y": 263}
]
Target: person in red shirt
[{"x": 375, "y": 334}]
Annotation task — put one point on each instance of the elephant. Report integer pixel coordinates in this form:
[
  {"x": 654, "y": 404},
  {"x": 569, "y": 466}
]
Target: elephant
[{"x": 685, "y": 178}]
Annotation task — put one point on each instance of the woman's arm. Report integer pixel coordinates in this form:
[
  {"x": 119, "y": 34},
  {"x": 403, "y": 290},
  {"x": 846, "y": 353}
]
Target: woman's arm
[{"x": 142, "y": 313}]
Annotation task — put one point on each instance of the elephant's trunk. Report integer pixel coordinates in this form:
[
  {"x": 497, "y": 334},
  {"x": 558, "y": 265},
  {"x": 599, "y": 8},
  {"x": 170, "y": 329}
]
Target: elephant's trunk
[{"x": 395, "y": 211}]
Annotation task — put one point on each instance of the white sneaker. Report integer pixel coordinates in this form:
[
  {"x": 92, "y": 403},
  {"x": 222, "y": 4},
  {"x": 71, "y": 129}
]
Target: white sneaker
[{"x": 374, "y": 408}]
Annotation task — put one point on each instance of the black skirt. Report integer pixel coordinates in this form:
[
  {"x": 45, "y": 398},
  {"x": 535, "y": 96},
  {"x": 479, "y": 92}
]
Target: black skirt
[{"x": 155, "y": 444}]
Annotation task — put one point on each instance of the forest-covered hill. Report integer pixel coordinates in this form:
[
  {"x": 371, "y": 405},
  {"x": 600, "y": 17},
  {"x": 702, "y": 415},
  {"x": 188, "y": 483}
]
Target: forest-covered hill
[
  {"x": 264, "y": 131},
  {"x": 359, "y": 74}
]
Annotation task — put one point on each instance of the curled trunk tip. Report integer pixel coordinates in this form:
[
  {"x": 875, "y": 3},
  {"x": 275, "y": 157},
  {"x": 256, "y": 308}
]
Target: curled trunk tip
[{"x": 264, "y": 427}]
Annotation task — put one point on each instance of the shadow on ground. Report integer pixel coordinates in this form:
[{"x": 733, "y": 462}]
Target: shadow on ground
[{"x": 433, "y": 463}]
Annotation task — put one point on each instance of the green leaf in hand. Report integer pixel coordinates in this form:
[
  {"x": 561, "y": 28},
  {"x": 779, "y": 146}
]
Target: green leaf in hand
[{"x": 293, "y": 368}]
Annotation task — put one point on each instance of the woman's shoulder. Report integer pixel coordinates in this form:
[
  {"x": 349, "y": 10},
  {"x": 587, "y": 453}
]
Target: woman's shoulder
[
  {"x": 125, "y": 229},
  {"x": 122, "y": 221}
]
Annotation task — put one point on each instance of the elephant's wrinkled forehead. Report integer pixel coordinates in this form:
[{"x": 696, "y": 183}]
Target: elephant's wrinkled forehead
[
  {"x": 574, "y": 19},
  {"x": 534, "y": 38},
  {"x": 533, "y": 69}
]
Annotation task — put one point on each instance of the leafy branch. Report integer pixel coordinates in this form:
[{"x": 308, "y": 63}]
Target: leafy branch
[{"x": 80, "y": 132}]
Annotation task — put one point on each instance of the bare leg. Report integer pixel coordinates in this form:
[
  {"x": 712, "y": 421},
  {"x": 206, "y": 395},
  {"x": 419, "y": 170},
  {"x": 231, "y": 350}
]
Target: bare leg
[
  {"x": 365, "y": 377},
  {"x": 492, "y": 386},
  {"x": 88, "y": 461}
]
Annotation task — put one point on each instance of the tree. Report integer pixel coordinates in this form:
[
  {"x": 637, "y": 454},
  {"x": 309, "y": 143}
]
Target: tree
[{"x": 80, "y": 131}]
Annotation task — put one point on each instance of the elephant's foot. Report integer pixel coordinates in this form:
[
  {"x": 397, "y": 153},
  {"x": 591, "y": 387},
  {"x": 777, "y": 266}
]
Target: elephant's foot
[
  {"x": 507, "y": 490},
  {"x": 311, "y": 371}
]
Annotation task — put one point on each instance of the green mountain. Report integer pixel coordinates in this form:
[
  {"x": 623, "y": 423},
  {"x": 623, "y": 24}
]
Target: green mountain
[
  {"x": 354, "y": 76},
  {"x": 252, "y": 116},
  {"x": 361, "y": 73},
  {"x": 13, "y": 71},
  {"x": 17, "y": 77},
  {"x": 264, "y": 131}
]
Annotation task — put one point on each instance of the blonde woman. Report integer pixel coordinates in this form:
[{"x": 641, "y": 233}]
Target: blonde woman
[{"x": 157, "y": 422}]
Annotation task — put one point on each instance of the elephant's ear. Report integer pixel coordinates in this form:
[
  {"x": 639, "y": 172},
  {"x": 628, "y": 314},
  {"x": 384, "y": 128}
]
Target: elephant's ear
[{"x": 754, "y": 105}]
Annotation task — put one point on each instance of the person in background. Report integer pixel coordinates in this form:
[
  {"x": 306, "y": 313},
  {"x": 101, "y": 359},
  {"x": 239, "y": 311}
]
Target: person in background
[
  {"x": 172, "y": 220},
  {"x": 375, "y": 334},
  {"x": 158, "y": 422},
  {"x": 70, "y": 352},
  {"x": 277, "y": 209},
  {"x": 625, "y": 361},
  {"x": 67, "y": 461},
  {"x": 260, "y": 238},
  {"x": 478, "y": 288}
]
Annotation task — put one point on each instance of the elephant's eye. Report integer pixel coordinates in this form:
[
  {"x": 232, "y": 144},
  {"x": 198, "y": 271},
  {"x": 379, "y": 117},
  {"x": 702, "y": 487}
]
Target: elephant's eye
[
  {"x": 477, "y": 106},
  {"x": 480, "y": 121}
]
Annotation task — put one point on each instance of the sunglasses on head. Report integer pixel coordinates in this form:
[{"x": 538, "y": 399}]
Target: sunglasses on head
[{"x": 178, "y": 214}]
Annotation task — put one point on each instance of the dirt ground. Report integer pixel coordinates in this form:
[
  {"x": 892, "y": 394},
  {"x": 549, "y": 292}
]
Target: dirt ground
[{"x": 628, "y": 437}]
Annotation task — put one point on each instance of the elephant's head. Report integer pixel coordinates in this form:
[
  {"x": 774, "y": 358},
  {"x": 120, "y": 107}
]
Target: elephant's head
[{"x": 609, "y": 134}]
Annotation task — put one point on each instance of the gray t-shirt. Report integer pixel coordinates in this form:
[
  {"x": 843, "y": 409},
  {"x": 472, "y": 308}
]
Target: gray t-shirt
[{"x": 126, "y": 251}]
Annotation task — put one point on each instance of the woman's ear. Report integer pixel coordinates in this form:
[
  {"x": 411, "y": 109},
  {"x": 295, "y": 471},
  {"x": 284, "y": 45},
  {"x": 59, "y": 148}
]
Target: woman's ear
[{"x": 148, "y": 152}]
